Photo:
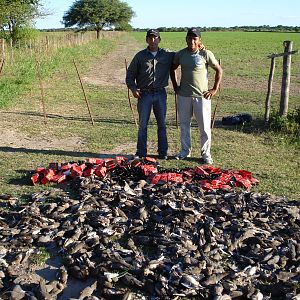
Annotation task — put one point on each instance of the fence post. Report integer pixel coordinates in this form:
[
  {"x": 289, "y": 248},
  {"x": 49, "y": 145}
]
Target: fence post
[
  {"x": 47, "y": 44},
  {"x": 11, "y": 51},
  {"x": 286, "y": 77},
  {"x": 268, "y": 98},
  {"x": 3, "y": 48},
  {"x": 39, "y": 75},
  {"x": 30, "y": 47}
]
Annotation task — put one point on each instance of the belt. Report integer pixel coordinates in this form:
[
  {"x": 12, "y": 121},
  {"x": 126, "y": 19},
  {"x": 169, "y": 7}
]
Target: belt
[{"x": 152, "y": 90}]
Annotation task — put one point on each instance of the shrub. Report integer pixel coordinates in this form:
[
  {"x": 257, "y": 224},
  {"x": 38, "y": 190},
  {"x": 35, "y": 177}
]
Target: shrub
[{"x": 289, "y": 125}]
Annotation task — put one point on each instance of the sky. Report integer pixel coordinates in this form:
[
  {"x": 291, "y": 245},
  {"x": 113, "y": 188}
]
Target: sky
[{"x": 188, "y": 13}]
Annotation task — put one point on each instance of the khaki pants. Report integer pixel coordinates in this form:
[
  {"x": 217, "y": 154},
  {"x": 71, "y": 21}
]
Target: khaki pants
[{"x": 201, "y": 108}]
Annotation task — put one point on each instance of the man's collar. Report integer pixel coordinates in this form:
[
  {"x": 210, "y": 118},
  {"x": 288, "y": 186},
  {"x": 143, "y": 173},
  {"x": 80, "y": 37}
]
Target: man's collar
[
  {"x": 153, "y": 51},
  {"x": 202, "y": 47}
]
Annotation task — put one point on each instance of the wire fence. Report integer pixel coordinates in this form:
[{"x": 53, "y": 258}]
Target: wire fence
[{"x": 46, "y": 43}]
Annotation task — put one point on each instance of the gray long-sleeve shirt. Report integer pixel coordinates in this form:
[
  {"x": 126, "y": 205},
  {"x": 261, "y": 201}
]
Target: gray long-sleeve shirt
[{"x": 148, "y": 72}]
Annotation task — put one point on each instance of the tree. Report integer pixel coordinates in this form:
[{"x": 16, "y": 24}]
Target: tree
[
  {"x": 16, "y": 16},
  {"x": 97, "y": 14},
  {"x": 124, "y": 27}
]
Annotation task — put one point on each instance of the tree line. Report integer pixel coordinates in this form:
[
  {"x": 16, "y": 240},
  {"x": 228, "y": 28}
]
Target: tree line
[
  {"x": 262, "y": 28},
  {"x": 17, "y": 19}
]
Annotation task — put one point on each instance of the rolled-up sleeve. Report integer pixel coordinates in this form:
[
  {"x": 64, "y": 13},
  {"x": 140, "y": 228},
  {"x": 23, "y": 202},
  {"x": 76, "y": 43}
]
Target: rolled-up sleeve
[
  {"x": 131, "y": 74},
  {"x": 176, "y": 59},
  {"x": 146, "y": 71}
]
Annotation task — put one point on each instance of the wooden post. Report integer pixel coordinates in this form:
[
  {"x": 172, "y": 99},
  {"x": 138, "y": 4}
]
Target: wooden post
[
  {"x": 268, "y": 98},
  {"x": 217, "y": 103},
  {"x": 2, "y": 65},
  {"x": 11, "y": 51},
  {"x": 39, "y": 75},
  {"x": 2, "y": 55},
  {"x": 47, "y": 44},
  {"x": 129, "y": 100},
  {"x": 85, "y": 98},
  {"x": 286, "y": 77},
  {"x": 30, "y": 47},
  {"x": 176, "y": 110},
  {"x": 3, "y": 48},
  {"x": 285, "y": 80}
]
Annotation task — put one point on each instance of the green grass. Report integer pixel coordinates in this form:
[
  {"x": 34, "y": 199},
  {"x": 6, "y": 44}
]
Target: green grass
[
  {"x": 20, "y": 76},
  {"x": 40, "y": 257},
  {"x": 242, "y": 53},
  {"x": 270, "y": 158}
]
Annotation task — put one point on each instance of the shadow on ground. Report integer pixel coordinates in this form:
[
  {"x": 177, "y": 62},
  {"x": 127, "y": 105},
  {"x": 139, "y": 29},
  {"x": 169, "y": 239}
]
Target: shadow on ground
[
  {"x": 256, "y": 125},
  {"x": 49, "y": 273},
  {"x": 59, "y": 152},
  {"x": 74, "y": 118}
]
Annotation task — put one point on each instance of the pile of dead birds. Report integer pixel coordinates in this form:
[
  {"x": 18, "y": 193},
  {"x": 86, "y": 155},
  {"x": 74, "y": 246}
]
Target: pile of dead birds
[{"x": 140, "y": 240}]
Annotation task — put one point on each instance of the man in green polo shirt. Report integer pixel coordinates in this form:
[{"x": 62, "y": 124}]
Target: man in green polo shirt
[{"x": 194, "y": 95}]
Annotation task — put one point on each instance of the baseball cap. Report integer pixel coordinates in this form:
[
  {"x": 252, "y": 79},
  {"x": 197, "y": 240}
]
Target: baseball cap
[
  {"x": 194, "y": 31},
  {"x": 153, "y": 32}
]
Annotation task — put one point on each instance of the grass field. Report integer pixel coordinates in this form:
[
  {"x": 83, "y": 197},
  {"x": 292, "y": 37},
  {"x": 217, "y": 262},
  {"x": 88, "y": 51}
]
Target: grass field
[{"x": 272, "y": 160}]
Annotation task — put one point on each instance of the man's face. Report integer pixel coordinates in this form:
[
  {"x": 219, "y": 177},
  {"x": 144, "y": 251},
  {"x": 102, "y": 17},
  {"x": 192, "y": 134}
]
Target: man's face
[
  {"x": 193, "y": 42},
  {"x": 152, "y": 40}
]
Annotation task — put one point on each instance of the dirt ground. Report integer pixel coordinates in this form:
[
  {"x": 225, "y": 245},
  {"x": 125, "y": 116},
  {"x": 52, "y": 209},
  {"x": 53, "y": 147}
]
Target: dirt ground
[{"x": 110, "y": 71}]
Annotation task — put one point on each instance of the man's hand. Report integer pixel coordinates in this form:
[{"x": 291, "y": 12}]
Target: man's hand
[
  {"x": 209, "y": 94},
  {"x": 136, "y": 94},
  {"x": 176, "y": 89},
  {"x": 218, "y": 76}
]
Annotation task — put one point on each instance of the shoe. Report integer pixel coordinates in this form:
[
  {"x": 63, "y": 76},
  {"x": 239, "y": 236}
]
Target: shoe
[
  {"x": 136, "y": 156},
  {"x": 182, "y": 155},
  {"x": 163, "y": 156},
  {"x": 206, "y": 160}
]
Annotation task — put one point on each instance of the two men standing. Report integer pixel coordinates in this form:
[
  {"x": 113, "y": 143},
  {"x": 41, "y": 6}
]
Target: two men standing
[{"x": 147, "y": 78}]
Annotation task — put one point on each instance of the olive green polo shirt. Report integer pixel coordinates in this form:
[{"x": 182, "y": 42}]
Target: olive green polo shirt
[
  {"x": 148, "y": 72},
  {"x": 194, "y": 71}
]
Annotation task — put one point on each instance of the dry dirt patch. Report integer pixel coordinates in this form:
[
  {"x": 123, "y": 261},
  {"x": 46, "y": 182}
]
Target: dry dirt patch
[
  {"x": 108, "y": 71},
  {"x": 16, "y": 139},
  {"x": 111, "y": 69}
]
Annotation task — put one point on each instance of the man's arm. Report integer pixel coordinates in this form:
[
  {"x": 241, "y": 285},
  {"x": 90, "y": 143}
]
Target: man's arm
[
  {"x": 131, "y": 77},
  {"x": 173, "y": 77},
  {"x": 218, "y": 77}
]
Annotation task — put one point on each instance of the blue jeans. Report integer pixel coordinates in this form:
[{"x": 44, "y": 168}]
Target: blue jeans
[{"x": 157, "y": 100}]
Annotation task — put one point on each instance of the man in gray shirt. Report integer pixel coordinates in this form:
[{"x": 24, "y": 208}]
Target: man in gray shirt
[{"x": 147, "y": 78}]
